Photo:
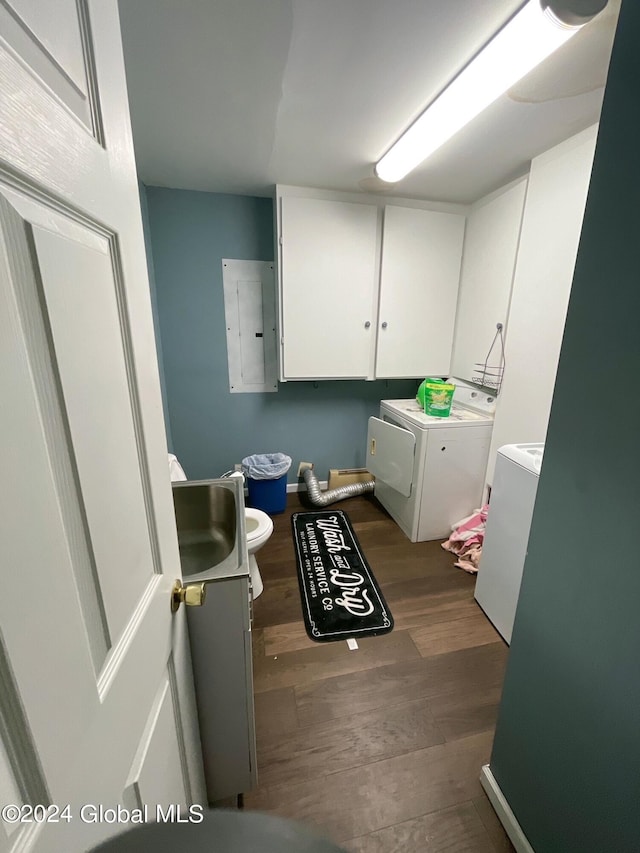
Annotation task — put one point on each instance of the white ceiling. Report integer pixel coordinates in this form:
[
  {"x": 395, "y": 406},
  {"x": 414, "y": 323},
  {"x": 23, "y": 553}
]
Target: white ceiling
[{"x": 238, "y": 95}]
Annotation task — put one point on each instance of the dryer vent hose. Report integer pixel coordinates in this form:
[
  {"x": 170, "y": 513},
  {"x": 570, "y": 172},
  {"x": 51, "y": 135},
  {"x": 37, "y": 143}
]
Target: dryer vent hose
[{"x": 320, "y": 498}]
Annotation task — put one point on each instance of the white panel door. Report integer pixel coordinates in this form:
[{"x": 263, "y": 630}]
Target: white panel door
[
  {"x": 421, "y": 256},
  {"x": 97, "y": 705},
  {"x": 328, "y": 288}
]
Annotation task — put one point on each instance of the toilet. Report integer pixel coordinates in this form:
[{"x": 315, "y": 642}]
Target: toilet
[{"x": 259, "y": 528}]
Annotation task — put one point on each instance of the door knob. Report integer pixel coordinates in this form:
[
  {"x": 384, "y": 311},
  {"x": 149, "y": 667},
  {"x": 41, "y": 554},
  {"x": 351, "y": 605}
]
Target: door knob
[
  {"x": 385, "y": 324},
  {"x": 367, "y": 324},
  {"x": 193, "y": 595}
]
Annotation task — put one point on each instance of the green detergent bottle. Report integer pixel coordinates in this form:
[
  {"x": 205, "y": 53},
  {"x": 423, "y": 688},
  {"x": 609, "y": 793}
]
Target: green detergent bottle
[{"x": 435, "y": 397}]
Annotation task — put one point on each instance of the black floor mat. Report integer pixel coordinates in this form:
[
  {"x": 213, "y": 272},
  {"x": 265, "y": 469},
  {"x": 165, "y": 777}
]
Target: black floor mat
[{"x": 339, "y": 594}]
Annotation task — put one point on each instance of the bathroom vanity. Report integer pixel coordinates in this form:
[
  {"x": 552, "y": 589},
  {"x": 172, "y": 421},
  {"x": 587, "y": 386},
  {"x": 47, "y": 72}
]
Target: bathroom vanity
[{"x": 211, "y": 535}]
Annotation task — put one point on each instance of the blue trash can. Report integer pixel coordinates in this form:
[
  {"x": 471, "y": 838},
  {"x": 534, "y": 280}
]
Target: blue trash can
[
  {"x": 268, "y": 495},
  {"x": 266, "y": 475}
]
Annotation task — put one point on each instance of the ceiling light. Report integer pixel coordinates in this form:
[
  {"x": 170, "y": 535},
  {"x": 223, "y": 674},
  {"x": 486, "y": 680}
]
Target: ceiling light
[{"x": 532, "y": 35}]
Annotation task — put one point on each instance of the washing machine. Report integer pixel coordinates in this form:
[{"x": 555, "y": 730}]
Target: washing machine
[
  {"x": 430, "y": 471},
  {"x": 504, "y": 549}
]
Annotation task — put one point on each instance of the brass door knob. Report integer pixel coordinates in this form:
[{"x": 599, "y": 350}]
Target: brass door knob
[{"x": 193, "y": 595}]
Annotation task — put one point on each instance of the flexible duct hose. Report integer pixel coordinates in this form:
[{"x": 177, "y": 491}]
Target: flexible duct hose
[{"x": 320, "y": 498}]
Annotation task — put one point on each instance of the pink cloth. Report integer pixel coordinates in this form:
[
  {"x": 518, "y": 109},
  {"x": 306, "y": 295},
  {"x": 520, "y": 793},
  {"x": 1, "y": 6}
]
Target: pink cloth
[{"x": 466, "y": 540}]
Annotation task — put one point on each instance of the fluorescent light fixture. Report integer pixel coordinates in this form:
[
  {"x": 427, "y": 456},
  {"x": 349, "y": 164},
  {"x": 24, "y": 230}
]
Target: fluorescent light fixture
[{"x": 532, "y": 35}]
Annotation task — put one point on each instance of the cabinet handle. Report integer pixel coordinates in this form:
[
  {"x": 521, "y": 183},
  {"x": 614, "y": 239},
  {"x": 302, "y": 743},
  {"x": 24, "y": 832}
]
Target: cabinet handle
[
  {"x": 367, "y": 324},
  {"x": 385, "y": 324}
]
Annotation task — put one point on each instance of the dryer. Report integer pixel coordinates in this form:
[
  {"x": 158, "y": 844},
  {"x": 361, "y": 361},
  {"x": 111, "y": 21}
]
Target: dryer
[{"x": 430, "y": 472}]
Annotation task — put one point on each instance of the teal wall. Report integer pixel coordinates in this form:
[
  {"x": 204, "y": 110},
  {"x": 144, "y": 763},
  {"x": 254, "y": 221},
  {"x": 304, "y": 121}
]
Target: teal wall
[
  {"x": 144, "y": 210},
  {"x": 211, "y": 429},
  {"x": 567, "y": 745}
]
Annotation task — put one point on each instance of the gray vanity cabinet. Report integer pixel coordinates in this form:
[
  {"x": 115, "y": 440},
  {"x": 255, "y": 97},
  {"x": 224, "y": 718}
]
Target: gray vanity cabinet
[{"x": 220, "y": 635}]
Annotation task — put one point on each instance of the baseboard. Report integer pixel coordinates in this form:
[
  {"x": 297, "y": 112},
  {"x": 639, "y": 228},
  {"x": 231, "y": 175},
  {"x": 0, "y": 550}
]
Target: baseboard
[
  {"x": 298, "y": 487},
  {"x": 302, "y": 487},
  {"x": 503, "y": 810}
]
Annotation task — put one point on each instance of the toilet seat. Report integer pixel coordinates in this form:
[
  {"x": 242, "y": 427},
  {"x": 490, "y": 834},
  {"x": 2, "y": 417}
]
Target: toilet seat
[{"x": 259, "y": 527}]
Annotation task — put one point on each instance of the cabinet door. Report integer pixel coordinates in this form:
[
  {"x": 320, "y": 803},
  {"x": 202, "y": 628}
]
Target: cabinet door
[
  {"x": 328, "y": 288},
  {"x": 421, "y": 256},
  {"x": 220, "y": 635},
  {"x": 551, "y": 226},
  {"x": 489, "y": 259}
]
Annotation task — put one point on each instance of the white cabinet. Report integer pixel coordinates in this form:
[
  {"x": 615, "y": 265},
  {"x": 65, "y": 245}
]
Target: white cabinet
[
  {"x": 421, "y": 256},
  {"x": 488, "y": 263},
  {"x": 551, "y": 226},
  {"x": 328, "y": 263},
  {"x": 366, "y": 289}
]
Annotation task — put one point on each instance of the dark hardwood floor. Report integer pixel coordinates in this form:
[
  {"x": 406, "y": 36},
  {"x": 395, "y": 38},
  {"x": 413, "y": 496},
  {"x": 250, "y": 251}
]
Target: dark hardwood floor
[{"x": 379, "y": 748}]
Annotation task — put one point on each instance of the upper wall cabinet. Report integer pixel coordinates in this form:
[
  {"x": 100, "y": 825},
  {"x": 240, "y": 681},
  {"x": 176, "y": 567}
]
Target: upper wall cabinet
[
  {"x": 327, "y": 288},
  {"x": 421, "y": 256},
  {"x": 365, "y": 289}
]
